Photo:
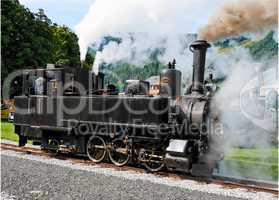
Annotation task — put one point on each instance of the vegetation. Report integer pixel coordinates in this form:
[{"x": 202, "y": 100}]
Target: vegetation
[
  {"x": 31, "y": 40},
  {"x": 89, "y": 59},
  {"x": 256, "y": 155},
  {"x": 108, "y": 39},
  {"x": 120, "y": 72},
  {"x": 252, "y": 163},
  {"x": 65, "y": 48},
  {"x": 229, "y": 42},
  {"x": 7, "y": 131},
  {"x": 265, "y": 48}
]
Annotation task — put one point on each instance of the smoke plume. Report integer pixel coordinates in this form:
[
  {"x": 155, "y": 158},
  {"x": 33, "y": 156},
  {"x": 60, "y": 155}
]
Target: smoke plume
[
  {"x": 237, "y": 17},
  {"x": 156, "y": 18}
]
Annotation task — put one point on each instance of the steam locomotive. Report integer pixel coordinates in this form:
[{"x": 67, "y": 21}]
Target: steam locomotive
[{"x": 70, "y": 110}]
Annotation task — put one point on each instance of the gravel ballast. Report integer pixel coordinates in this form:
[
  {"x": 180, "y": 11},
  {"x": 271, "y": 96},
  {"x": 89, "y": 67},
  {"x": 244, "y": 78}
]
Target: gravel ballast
[{"x": 25, "y": 176}]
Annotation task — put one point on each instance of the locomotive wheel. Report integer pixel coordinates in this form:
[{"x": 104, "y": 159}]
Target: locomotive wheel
[
  {"x": 53, "y": 146},
  {"x": 153, "y": 161},
  {"x": 119, "y": 153},
  {"x": 96, "y": 149}
]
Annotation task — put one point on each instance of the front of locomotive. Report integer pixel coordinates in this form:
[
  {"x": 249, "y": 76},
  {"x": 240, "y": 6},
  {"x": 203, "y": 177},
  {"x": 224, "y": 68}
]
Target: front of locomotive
[{"x": 192, "y": 147}]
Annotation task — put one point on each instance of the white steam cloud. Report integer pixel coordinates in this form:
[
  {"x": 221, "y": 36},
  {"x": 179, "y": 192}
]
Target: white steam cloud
[
  {"x": 243, "y": 108},
  {"x": 248, "y": 112},
  {"x": 156, "y": 17}
]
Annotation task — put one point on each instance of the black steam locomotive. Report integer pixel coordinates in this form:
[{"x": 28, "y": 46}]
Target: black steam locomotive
[{"x": 70, "y": 110}]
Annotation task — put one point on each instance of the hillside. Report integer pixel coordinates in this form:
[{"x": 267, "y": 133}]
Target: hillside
[
  {"x": 117, "y": 73},
  {"x": 264, "y": 48}
]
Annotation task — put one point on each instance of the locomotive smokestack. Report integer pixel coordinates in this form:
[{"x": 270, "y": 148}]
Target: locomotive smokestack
[{"x": 198, "y": 48}]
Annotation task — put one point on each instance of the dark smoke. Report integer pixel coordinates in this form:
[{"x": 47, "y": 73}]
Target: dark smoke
[{"x": 241, "y": 16}]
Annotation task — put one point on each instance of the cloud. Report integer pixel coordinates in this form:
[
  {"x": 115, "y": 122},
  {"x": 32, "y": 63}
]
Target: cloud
[{"x": 155, "y": 17}]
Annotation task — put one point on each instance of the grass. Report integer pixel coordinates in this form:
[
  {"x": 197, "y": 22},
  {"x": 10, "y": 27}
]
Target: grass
[
  {"x": 253, "y": 163},
  {"x": 7, "y": 131},
  {"x": 259, "y": 156}
]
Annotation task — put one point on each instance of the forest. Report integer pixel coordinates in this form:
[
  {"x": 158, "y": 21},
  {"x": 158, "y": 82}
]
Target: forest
[{"x": 31, "y": 40}]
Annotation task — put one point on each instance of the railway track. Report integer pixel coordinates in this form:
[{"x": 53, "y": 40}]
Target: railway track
[
  {"x": 249, "y": 184},
  {"x": 225, "y": 181}
]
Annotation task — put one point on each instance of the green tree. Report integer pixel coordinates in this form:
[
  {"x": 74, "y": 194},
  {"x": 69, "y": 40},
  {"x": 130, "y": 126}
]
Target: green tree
[
  {"x": 65, "y": 46},
  {"x": 30, "y": 40},
  {"x": 23, "y": 40},
  {"x": 89, "y": 59}
]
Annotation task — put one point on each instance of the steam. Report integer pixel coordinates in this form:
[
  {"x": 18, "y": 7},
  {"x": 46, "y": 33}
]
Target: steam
[
  {"x": 239, "y": 98},
  {"x": 138, "y": 47},
  {"x": 240, "y": 16},
  {"x": 246, "y": 119},
  {"x": 155, "y": 18}
]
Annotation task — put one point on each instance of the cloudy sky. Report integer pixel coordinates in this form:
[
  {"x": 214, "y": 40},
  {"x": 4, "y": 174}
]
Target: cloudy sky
[
  {"x": 72, "y": 12},
  {"x": 67, "y": 12}
]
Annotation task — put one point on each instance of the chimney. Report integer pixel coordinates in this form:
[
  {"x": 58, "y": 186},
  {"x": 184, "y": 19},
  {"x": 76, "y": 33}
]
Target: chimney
[{"x": 198, "y": 48}]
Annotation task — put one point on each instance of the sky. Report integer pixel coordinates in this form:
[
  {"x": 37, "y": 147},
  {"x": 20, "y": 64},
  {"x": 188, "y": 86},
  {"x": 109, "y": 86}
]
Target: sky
[
  {"x": 72, "y": 12},
  {"x": 62, "y": 12}
]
